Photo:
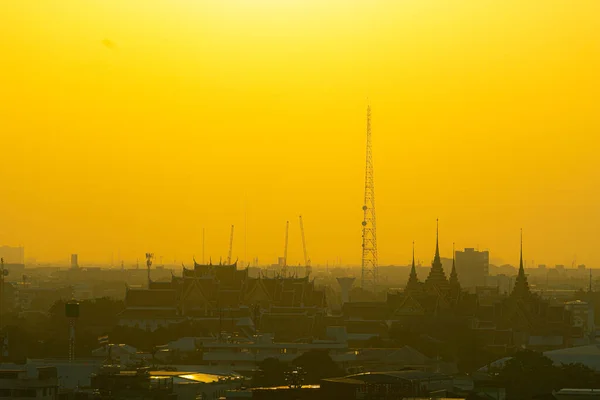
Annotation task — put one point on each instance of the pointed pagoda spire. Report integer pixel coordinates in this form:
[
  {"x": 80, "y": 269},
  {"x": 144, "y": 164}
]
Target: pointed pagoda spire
[
  {"x": 437, "y": 240},
  {"x": 454, "y": 275},
  {"x": 521, "y": 288},
  {"x": 436, "y": 276},
  {"x": 413, "y": 281},
  {"x": 521, "y": 269}
]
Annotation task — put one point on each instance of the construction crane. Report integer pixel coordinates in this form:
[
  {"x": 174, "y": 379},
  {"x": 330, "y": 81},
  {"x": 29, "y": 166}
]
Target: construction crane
[
  {"x": 307, "y": 265},
  {"x": 287, "y": 230},
  {"x": 230, "y": 246}
]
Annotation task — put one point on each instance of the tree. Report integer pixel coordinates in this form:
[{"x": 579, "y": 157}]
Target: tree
[
  {"x": 318, "y": 365},
  {"x": 529, "y": 374},
  {"x": 577, "y": 376},
  {"x": 271, "y": 372}
]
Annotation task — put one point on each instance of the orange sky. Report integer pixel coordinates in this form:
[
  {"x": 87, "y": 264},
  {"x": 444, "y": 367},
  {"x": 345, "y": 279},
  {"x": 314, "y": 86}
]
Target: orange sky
[{"x": 128, "y": 126}]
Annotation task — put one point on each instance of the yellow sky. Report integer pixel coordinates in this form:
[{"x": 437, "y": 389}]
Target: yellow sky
[{"x": 128, "y": 126}]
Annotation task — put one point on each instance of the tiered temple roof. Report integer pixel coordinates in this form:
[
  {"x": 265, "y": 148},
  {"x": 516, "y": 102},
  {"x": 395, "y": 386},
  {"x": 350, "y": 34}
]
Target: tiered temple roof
[
  {"x": 210, "y": 287},
  {"x": 413, "y": 283},
  {"x": 521, "y": 288},
  {"x": 437, "y": 276}
]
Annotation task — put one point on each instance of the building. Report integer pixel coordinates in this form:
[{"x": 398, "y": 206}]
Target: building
[
  {"x": 17, "y": 384},
  {"x": 473, "y": 267},
  {"x": 396, "y": 385},
  {"x": 223, "y": 297},
  {"x": 74, "y": 261},
  {"x": 583, "y": 327}
]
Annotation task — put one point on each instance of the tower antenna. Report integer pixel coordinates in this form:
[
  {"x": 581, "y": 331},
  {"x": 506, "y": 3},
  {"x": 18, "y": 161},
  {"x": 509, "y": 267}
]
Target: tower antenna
[
  {"x": 287, "y": 229},
  {"x": 369, "y": 275},
  {"x": 306, "y": 259},
  {"x": 230, "y": 246}
]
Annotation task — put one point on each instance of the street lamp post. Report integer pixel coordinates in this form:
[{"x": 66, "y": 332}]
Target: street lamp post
[{"x": 3, "y": 273}]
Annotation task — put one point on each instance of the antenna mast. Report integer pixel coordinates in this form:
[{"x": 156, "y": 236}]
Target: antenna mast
[
  {"x": 306, "y": 259},
  {"x": 230, "y": 246},
  {"x": 369, "y": 231},
  {"x": 287, "y": 229}
]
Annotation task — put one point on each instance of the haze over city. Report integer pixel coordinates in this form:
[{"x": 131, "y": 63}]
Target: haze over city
[{"x": 130, "y": 127}]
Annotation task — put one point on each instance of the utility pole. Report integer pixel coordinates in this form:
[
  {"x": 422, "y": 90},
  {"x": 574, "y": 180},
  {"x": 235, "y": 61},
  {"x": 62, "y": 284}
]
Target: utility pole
[
  {"x": 369, "y": 272},
  {"x": 3, "y": 273}
]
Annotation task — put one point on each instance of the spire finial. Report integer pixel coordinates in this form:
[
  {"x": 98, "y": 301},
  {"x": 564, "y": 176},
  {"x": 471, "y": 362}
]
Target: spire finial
[
  {"x": 413, "y": 261},
  {"x": 453, "y": 261},
  {"x": 437, "y": 238},
  {"x": 521, "y": 258}
]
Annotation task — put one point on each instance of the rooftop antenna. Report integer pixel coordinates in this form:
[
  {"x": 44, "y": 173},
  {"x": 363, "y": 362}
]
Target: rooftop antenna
[
  {"x": 230, "y": 246},
  {"x": 369, "y": 271}
]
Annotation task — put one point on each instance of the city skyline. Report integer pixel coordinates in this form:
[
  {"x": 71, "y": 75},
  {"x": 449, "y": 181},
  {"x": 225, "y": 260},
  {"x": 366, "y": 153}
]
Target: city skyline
[{"x": 131, "y": 138}]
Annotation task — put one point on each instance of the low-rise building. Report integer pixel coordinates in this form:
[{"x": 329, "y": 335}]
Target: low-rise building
[{"x": 16, "y": 383}]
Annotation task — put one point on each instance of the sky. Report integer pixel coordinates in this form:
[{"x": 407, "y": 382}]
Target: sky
[{"x": 134, "y": 126}]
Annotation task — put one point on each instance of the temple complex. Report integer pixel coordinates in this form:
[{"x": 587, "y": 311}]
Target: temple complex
[{"x": 213, "y": 292}]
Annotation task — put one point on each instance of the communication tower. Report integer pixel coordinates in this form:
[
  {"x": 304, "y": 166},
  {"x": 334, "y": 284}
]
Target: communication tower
[
  {"x": 149, "y": 257},
  {"x": 369, "y": 275}
]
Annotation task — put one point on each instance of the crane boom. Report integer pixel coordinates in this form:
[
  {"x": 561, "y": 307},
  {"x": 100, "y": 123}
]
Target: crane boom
[
  {"x": 230, "y": 246},
  {"x": 285, "y": 250},
  {"x": 306, "y": 259}
]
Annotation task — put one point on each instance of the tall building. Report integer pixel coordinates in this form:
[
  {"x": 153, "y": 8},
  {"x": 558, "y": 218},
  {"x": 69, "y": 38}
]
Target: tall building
[
  {"x": 74, "y": 261},
  {"x": 472, "y": 267},
  {"x": 13, "y": 255}
]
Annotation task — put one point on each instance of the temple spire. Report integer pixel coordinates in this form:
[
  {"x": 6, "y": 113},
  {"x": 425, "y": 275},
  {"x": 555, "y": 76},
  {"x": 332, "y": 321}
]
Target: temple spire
[
  {"x": 437, "y": 239},
  {"x": 521, "y": 288},
  {"x": 413, "y": 281},
  {"x": 521, "y": 269},
  {"x": 453, "y": 274},
  {"x": 436, "y": 276}
]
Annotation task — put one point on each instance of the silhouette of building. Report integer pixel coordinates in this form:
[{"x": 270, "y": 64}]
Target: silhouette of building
[
  {"x": 74, "y": 261},
  {"x": 222, "y": 296},
  {"x": 524, "y": 319},
  {"x": 473, "y": 267}
]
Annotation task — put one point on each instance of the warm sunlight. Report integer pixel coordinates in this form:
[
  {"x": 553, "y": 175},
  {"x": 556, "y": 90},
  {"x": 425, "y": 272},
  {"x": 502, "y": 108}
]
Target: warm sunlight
[{"x": 219, "y": 112}]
